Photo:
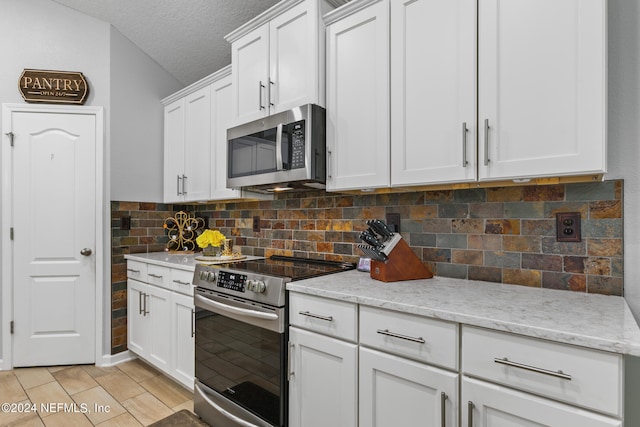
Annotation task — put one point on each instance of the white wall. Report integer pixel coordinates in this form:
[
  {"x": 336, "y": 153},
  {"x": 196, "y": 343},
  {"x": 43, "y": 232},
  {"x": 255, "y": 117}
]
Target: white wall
[
  {"x": 137, "y": 86},
  {"x": 624, "y": 131}
]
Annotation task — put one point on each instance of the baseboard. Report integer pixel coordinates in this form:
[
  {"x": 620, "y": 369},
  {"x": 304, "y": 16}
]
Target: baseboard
[{"x": 113, "y": 359}]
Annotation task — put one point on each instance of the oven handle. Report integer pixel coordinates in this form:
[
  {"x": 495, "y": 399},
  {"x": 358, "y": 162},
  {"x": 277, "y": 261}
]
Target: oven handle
[
  {"x": 208, "y": 303},
  {"x": 224, "y": 412}
]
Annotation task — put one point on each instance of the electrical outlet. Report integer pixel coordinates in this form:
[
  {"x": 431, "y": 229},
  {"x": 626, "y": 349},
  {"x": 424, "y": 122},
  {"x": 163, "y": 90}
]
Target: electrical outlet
[
  {"x": 125, "y": 223},
  {"x": 256, "y": 223},
  {"x": 568, "y": 227},
  {"x": 393, "y": 221}
]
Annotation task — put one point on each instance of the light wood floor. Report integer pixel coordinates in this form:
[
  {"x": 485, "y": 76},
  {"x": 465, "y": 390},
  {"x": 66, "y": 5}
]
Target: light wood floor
[{"x": 129, "y": 394}]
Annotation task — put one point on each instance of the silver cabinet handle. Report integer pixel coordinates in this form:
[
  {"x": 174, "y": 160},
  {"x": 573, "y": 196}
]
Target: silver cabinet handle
[
  {"x": 86, "y": 252},
  {"x": 184, "y": 184},
  {"x": 470, "y": 414},
  {"x": 289, "y": 363},
  {"x": 11, "y": 136},
  {"x": 155, "y": 275},
  {"x": 141, "y": 310},
  {"x": 146, "y": 297},
  {"x": 180, "y": 282},
  {"x": 329, "y": 165},
  {"x": 193, "y": 323},
  {"x": 271, "y": 104},
  {"x": 178, "y": 185},
  {"x": 486, "y": 142},
  {"x": 133, "y": 271},
  {"x": 260, "y": 87},
  {"x": 404, "y": 337},
  {"x": 557, "y": 374},
  {"x": 443, "y": 408},
  {"x": 464, "y": 145},
  {"x": 316, "y": 316}
]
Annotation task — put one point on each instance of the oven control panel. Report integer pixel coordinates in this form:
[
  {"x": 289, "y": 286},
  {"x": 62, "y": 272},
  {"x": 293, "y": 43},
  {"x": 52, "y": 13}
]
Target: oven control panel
[{"x": 234, "y": 281}]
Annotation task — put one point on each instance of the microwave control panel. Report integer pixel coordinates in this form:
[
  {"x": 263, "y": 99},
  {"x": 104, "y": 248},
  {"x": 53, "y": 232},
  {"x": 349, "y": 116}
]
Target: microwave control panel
[{"x": 297, "y": 145}]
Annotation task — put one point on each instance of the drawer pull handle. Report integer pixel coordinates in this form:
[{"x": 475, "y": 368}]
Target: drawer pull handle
[
  {"x": 155, "y": 275},
  {"x": 557, "y": 374},
  {"x": 470, "y": 407},
  {"x": 443, "y": 408},
  {"x": 316, "y": 316},
  {"x": 404, "y": 337},
  {"x": 180, "y": 282},
  {"x": 133, "y": 271}
]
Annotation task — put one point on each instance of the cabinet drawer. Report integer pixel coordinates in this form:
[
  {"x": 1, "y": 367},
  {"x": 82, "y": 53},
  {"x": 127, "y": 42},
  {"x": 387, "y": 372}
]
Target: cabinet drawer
[
  {"x": 576, "y": 375},
  {"x": 416, "y": 337},
  {"x": 330, "y": 317},
  {"x": 182, "y": 281},
  {"x": 137, "y": 270},
  {"x": 159, "y": 276}
]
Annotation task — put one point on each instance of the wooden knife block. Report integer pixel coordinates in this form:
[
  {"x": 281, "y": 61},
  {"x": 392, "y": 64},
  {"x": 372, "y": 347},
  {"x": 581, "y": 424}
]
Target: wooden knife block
[{"x": 402, "y": 264}]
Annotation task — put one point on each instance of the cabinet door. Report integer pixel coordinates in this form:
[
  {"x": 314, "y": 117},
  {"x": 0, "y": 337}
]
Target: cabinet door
[
  {"x": 491, "y": 405},
  {"x": 542, "y": 88},
  {"x": 358, "y": 100},
  {"x": 197, "y": 146},
  {"x": 182, "y": 333},
  {"x": 323, "y": 386},
  {"x": 250, "y": 59},
  {"x": 293, "y": 61},
  {"x": 402, "y": 393},
  {"x": 158, "y": 305},
  {"x": 221, "y": 96},
  {"x": 174, "y": 123},
  {"x": 433, "y": 91},
  {"x": 137, "y": 321}
]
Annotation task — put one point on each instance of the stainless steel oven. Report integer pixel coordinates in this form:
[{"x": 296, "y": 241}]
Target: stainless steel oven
[{"x": 241, "y": 338}]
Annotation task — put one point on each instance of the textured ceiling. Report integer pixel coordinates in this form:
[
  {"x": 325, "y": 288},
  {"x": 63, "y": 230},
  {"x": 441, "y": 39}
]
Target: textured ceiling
[{"x": 186, "y": 37}]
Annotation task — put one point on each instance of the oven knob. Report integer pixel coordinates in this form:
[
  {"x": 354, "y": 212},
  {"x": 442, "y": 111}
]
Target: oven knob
[
  {"x": 256, "y": 286},
  {"x": 211, "y": 276}
]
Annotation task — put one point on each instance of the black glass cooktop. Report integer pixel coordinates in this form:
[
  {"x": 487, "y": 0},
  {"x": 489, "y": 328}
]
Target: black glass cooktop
[{"x": 290, "y": 267}]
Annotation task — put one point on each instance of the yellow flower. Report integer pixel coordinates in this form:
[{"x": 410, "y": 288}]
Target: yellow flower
[{"x": 210, "y": 238}]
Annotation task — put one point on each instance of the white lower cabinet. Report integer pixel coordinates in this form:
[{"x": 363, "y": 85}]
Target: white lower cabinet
[
  {"x": 356, "y": 365},
  {"x": 490, "y": 405},
  {"x": 160, "y": 320},
  {"x": 511, "y": 380},
  {"x": 182, "y": 358},
  {"x": 403, "y": 393},
  {"x": 323, "y": 380}
]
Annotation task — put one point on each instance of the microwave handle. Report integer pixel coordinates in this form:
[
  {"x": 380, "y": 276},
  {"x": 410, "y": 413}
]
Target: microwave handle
[{"x": 279, "y": 165}]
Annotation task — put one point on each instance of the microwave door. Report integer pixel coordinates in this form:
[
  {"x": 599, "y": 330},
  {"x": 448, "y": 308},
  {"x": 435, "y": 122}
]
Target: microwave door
[{"x": 253, "y": 154}]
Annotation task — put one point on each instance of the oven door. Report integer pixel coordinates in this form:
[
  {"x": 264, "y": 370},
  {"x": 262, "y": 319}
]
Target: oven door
[{"x": 240, "y": 362}]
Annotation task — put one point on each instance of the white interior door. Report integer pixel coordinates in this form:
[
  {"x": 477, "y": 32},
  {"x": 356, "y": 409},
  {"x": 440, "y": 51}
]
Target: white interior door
[{"x": 54, "y": 243}]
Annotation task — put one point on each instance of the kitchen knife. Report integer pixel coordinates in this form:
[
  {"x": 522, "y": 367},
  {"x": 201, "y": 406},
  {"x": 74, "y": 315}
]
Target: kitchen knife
[
  {"x": 373, "y": 253},
  {"x": 376, "y": 227},
  {"x": 386, "y": 231},
  {"x": 370, "y": 238}
]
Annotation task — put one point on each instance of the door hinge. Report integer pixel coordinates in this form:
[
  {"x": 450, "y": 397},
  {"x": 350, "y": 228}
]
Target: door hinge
[
  {"x": 11, "y": 327},
  {"x": 10, "y": 135},
  {"x": 11, "y": 233}
]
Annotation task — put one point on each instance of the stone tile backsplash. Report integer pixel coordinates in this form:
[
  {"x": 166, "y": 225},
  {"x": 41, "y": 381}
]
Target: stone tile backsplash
[{"x": 504, "y": 234}]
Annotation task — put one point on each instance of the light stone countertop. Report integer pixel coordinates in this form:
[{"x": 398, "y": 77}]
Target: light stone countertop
[
  {"x": 177, "y": 260},
  {"x": 593, "y": 321}
]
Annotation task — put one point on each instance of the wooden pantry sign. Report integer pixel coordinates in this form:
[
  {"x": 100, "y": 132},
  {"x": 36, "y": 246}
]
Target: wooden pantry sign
[{"x": 54, "y": 87}]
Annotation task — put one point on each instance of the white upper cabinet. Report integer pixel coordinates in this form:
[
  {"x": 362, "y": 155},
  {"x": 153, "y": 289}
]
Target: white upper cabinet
[
  {"x": 173, "y": 150},
  {"x": 196, "y": 120},
  {"x": 433, "y": 91},
  {"x": 221, "y": 94},
  {"x": 358, "y": 99},
  {"x": 477, "y": 90},
  {"x": 542, "y": 88},
  {"x": 187, "y": 147},
  {"x": 278, "y": 60}
]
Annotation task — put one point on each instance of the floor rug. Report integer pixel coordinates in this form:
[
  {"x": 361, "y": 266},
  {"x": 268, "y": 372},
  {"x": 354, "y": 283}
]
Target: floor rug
[{"x": 182, "y": 418}]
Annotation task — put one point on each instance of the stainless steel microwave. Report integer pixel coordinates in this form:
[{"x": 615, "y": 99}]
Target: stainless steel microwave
[{"x": 285, "y": 151}]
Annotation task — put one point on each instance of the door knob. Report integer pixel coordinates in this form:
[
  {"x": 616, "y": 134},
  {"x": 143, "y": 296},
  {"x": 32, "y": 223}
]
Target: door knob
[{"x": 86, "y": 252}]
